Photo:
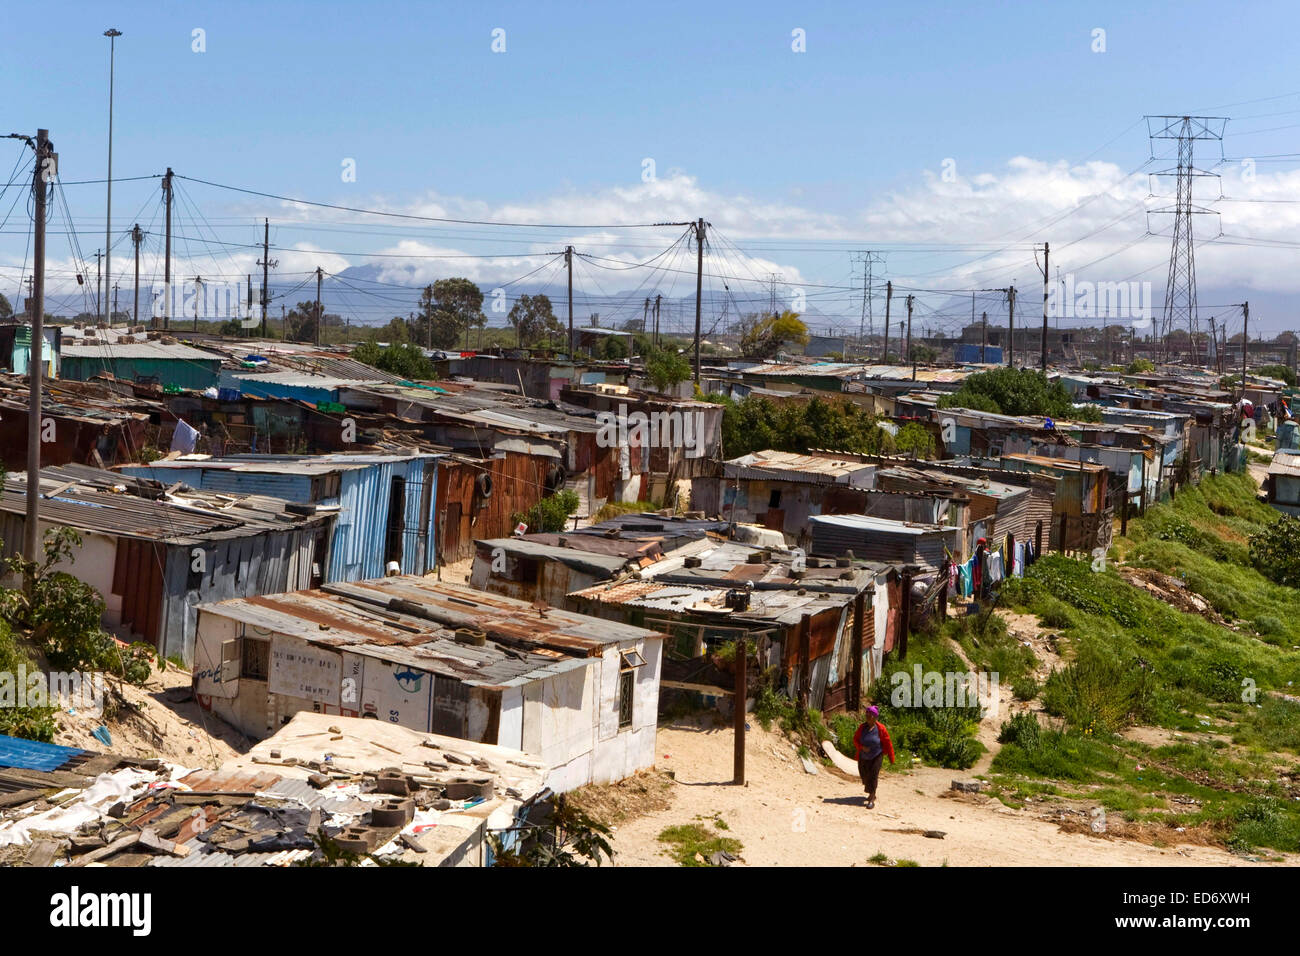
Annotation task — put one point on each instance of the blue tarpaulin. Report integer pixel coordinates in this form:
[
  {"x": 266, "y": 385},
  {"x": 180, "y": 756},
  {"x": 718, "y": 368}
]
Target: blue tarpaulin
[{"x": 31, "y": 755}]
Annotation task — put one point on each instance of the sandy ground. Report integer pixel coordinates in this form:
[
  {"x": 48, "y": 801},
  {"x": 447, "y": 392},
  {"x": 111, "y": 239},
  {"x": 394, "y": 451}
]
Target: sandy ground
[
  {"x": 786, "y": 817},
  {"x": 160, "y": 719}
]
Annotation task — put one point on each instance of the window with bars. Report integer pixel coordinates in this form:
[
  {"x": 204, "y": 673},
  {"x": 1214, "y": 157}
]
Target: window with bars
[{"x": 626, "y": 682}]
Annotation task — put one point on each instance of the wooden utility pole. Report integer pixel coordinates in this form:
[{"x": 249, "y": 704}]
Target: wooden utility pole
[
  {"x": 1245, "y": 343},
  {"x": 658, "y": 299},
  {"x": 319, "y": 316},
  {"x": 1046, "y": 250},
  {"x": 699, "y": 290},
  {"x": 1011, "y": 326},
  {"x": 984, "y": 338},
  {"x": 909, "y": 354},
  {"x": 568, "y": 262},
  {"x": 889, "y": 297},
  {"x": 137, "y": 237},
  {"x": 198, "y": 295},
  {"x": 742, "y": 652},
  {"x": 266, "y": 264},
  {"x": 46, "y": 168},
  {"x": 167, "y": 252}
]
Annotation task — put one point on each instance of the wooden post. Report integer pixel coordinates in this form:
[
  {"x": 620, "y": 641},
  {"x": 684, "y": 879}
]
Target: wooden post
[
  {"x": 1123, "y": 515},
  {"x": 741, "y": 693},
  {"x": 1038, "y": 539},
  {"x": 854, "y": 702},
  {"x": 805, "y": 677},
  {"x": 905, "y": 615}
]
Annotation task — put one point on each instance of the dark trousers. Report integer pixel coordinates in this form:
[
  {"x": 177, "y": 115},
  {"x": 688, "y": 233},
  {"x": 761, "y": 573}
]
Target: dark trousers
[{"x": 869, "y": 771}]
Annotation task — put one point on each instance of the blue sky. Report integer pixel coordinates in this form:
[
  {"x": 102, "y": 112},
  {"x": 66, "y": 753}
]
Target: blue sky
[{"x": 842, "y": 145}]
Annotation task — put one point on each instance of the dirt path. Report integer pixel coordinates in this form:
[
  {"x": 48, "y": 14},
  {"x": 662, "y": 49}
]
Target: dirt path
[{"x": 786, "y": 817}]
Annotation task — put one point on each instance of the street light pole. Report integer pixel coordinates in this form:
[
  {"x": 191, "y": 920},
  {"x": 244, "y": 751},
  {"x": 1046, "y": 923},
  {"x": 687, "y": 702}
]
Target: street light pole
[{"x": 112, "y": 35}]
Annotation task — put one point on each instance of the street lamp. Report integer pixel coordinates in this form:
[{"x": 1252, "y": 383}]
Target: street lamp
[{"x": 112, "y": 35}]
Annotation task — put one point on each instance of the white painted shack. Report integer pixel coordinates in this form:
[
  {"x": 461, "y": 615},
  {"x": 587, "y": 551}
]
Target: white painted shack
[{"x": 580, "y": 693}]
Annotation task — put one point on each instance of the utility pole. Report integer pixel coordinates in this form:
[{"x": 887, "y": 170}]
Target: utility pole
[
  {"x": 167, "y": 253},
  {"x": 137, "y": 237},
  {"x": 645, "y": 316},
  {"x": 1011, "y": 326},
  {"x": 319, "y": 275},
  {"x": 568, "y": 262},
  {"x": 1245, "y": 343},
  {"x": 111, "y": 314},
  {"x": 266, "y": 265},
  {"x": 112, "y": 34},
  {"x": 909, "y": 354},
  {"x": 46, "y": 168},
  {"x": 99, "y": 287},
  {"x": 1046, "y": 251},
  {"x": 198, "y": 297},
  {"x": 984, "y": 338},
  {"x": 658, "y": 299},
  {"x": 889, "y": 297},
  {"x": 699, "y": 291}
]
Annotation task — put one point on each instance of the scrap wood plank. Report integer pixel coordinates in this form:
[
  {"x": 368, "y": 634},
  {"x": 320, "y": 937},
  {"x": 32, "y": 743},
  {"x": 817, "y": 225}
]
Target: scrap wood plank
[{"x": 121, "y": 843}]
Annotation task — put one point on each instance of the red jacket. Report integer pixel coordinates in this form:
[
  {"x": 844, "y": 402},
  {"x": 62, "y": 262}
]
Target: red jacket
[{"x": 886, "y": 744}]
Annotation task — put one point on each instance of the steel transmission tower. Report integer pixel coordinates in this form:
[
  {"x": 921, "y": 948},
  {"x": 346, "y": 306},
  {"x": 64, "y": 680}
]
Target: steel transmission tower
[
  {"x": 1180, "y": 290},
  {"x": 867, "y": 324}
]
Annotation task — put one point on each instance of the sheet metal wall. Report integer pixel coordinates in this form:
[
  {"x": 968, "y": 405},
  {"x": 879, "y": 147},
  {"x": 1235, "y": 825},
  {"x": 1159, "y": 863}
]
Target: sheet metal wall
[{"x": 360, "y": 537}]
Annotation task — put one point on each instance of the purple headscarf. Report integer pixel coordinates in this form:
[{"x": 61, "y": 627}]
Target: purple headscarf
[{"x": 873, "y": 711}]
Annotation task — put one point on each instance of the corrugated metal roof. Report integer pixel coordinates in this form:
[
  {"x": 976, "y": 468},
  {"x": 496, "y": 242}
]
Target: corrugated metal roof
[
  {"x": 100, "y": 501},
  {"x": 331, "y": 618},
  {"x": 34, "y": 755},
  {"x": 810, "y": 465},
  {"x": 1285, "y": 463},
  {"x": 92, "y": 349}
]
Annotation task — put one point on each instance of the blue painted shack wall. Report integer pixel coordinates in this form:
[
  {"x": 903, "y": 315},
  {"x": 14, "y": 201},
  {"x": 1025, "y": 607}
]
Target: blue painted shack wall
[{"x": 361, "y": 531}]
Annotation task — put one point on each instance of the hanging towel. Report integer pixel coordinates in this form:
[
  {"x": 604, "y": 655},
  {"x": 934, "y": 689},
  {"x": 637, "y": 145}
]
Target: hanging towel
[
  {"x": 1018, "y": 562},
  {"x": 964, "y": 579},
  {"x": 952, "y": 576}
]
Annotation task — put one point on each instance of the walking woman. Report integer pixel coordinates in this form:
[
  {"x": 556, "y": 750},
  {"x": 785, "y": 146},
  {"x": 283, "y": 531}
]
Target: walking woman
[{"x": 872, "y": 743}]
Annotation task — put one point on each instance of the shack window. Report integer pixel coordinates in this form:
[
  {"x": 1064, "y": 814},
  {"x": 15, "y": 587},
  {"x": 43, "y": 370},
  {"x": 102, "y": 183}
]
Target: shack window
[
  {"x": 530, "y": 570},
  {"x": 255, "y": 659},
  {"x": 626, "y": 681},
  {"x": 774, "y": 499}
]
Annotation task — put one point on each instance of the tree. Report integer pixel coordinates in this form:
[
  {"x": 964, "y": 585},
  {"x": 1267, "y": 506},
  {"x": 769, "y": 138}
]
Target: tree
[
  {"x": 916, "y": 440},
  {"x": 300, "y": 323},
  {"x": 665, "y": 368},
  {"x": 1275, "y": 551},
  {"x": 1018, "y": 391},
  {"x": 396, "y": 331},
  {"x": 62, "y": 614},
  {"x": 6, "y": 310},
  {"x": 534, "y": 320},
  {"x": 570, "y": 837},
  {"x": 764, "y": 337},
  {"x": 450, "y": 308},
  {"x": 550, "y": 514},
  {"x": 612, "y": 348},
  {"x": 404, "y": 360}
]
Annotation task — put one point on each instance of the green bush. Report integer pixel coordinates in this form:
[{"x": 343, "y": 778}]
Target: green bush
[{"x": 550, "y": 514}]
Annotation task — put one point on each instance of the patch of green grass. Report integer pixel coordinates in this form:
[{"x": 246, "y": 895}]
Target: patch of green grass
[
  {"x": 879, "y": 859},
  {"x": 689, "y": 839},
  {"x": 906, "y": 863}
]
